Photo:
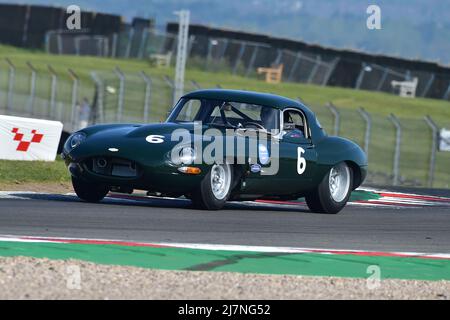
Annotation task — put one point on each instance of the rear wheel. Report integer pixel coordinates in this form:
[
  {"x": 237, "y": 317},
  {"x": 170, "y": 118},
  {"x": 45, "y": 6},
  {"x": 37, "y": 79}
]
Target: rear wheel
[
  {"x": 332, "y": 194},
  {"x": 90, "y": 192},
  {"x": 215, "y": 188}
]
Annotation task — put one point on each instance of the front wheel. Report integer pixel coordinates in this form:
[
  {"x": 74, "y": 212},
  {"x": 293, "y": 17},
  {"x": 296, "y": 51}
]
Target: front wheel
[
  {"x": 215, "y": 188},
  {"x": 90, "y": 192},
  {"x": 332, "y": 194}
]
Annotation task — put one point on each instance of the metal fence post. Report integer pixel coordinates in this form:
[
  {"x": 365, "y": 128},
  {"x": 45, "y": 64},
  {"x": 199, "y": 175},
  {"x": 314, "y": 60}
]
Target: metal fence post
[
  {"x": 99, "y": 98},
  {"x": 383, "y": 79},
  {"x": 121, "y": 77},
  {"x": 337, "y": 117},
  {"x": 447, "y": 93},
  {"x": 298, "y": 56},
  {"x": 53, "y": 86},
  {"x": 313, "y": 73},
  {"x": 181, "y": 58},
  {"x": 32, "y": 88},
  {"x": 59, "y": 43},
  {"x": 115, "y": 36},
  {"x": 171, "y": 86},
  {"x": 130, "y": 41},
  {"x": 209, "y": 53},
  {"x": 191, "y": 41},
  {"x": 195, "y": 84},
  {"x": 301, "y": 100},
  {"x": 143, "y": 44},
  {"x": 77, "y": 45},
  {"x": 222, "y": 54},
  {"x": 368, "y": 119},
  {"x": 360, "y": 78},
  {"x": 279, "y": 57},
  {"x": 252, "y": 61},
  {"x": 11, "y": 81},
  {"x": 148, "y": 88},
  {"x": 239, "y": 57},
  {"x": 398, "y": 141},
  {"x": 434, "y": 132},
  {"x": 331, "y": 68},
  {"x": 428, "y": 85},
  {"x": 105, "y": 47},
  {"x": 75, "y": 85},
  {"x": 47, "y": 40}
]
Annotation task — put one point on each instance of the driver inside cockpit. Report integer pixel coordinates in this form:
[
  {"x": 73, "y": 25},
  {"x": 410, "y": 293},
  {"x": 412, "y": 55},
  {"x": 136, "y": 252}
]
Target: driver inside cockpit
[{"x": 269, "y": 118}]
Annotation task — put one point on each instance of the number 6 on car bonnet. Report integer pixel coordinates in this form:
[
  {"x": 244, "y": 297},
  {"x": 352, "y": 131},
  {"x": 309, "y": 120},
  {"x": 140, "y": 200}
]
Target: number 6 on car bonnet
[{"x": 154, "y": 138}]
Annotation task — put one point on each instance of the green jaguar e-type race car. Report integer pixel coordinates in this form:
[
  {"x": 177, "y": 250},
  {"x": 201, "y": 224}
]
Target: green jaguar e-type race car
[{"x": 220, "y": 145}]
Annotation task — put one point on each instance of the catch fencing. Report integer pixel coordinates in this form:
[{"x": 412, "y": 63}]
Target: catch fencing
[
  {"x": 401, "y": 151},
  {"x": 243, "y": 57},
  {"x": 205, "y": 53}
]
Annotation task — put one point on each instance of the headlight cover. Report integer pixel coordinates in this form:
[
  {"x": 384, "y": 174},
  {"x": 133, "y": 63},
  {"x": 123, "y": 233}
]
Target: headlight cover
[
  {"x": 76, "y": 139},
  {"x": 187, "y": 155},
  {"x": 182, "y": 155}
]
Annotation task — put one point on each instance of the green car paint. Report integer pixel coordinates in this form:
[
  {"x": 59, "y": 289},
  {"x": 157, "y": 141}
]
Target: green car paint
[{"x": 157, "y": 173}]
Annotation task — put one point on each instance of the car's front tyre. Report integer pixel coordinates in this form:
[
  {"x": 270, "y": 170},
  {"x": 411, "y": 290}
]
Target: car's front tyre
[
  {"x": 215, "y": 188},
  {"x": 332, "y": 194},
  {"x": 90, "y": 192}
]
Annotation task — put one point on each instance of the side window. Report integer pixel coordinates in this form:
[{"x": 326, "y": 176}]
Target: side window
[
  {"x": 295, "y": 118},
  {"x": 294, "y": 122}
]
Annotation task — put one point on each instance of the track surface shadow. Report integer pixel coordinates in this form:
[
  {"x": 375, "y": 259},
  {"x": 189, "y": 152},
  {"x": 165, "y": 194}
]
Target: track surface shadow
[{"x": 161, "y": 203}]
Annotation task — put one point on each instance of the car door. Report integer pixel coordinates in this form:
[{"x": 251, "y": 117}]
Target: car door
[{"x": 297, "y": 156}]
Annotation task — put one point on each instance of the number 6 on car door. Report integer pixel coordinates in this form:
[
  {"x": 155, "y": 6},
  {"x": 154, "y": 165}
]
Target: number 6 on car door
[{"x": 301, "y": 162}]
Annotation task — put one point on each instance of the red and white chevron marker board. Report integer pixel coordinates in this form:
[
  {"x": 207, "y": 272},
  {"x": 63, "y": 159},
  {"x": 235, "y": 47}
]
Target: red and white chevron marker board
[{"x": 29, "y": 139}]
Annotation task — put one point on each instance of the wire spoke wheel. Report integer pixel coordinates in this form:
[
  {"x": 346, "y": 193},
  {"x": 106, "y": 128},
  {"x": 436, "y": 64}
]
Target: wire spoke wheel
[
  {"x": 220, "y": 180},
  {"x": 339, "y": 182},
  {"x": 333, "y": 192}
]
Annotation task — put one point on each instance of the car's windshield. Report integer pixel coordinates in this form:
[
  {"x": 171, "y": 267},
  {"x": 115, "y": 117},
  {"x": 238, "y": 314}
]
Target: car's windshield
[{"x": 226, "y": 113}]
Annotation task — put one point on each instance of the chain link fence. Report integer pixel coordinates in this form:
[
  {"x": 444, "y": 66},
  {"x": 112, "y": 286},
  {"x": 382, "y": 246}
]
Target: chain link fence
[
  {"x": 210, "y": 54},
  {"x": 401, "y": 151},
  {"x": 240, "y": 57},
  {"x": 138, "y": 43}
]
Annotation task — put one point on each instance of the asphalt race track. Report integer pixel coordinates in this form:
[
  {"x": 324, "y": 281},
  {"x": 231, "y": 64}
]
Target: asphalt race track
[{"x": 379, "y": 228}]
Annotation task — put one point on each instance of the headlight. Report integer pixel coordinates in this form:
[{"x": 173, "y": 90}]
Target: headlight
[
  {"x": 76, "y": 139},
  {"x": 263, "y": 154},
  {"x": 187, "y": 155},
  {"x": 182, "y": 155}
]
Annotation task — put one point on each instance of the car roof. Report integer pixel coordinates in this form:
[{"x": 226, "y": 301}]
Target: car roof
[{"x": 265, "y": 99}]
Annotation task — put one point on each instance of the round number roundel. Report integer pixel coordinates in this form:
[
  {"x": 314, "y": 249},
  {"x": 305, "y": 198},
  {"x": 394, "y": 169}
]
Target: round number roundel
[{"x": 154, "y": 138}]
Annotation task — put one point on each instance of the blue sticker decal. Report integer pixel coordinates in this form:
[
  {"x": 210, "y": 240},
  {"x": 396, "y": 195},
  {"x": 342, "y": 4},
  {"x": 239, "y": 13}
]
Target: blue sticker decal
[{"x": 255, "y": 168}]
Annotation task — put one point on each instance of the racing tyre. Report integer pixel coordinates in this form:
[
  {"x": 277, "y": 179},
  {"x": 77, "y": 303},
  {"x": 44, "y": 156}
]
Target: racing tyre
[
  {"x": 89, "y": 192},
  {"x": 332, "y": 194},
  {"x": 215, "y": 188}
]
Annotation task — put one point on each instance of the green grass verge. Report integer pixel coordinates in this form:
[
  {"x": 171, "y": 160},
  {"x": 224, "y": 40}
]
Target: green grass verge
[
  {"x": 310, "y": 264},
  {"x": 37, "y": 171}
]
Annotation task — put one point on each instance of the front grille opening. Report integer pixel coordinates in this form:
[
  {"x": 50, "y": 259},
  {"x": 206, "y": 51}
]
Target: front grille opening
[{"x": 113, "y": 167}]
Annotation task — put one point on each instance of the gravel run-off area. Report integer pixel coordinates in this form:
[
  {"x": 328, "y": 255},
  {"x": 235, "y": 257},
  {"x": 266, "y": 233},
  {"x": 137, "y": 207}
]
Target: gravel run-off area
[{"x": 31, "y": 278}]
